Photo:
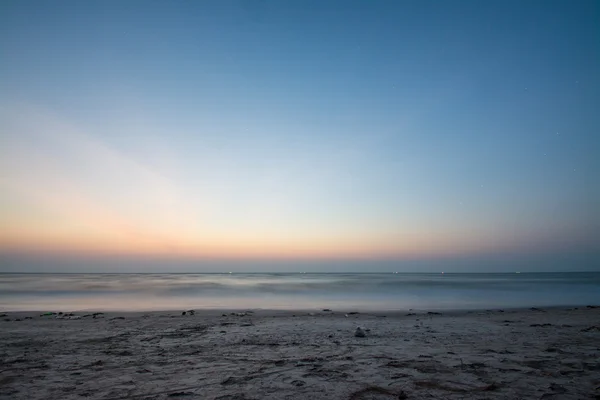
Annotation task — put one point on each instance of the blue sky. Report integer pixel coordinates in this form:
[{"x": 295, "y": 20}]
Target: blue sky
[{"x": 300, "y": 130}]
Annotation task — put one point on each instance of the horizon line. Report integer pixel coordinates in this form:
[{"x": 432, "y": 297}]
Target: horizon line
[{"x": 296, "y": 273}]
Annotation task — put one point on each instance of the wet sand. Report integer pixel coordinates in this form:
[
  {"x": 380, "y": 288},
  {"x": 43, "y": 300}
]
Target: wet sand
[{"x": 493, "y": 354}]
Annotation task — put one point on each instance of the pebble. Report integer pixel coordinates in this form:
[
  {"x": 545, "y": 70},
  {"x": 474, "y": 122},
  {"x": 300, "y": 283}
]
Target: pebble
[{"x": 359, "y": 332}]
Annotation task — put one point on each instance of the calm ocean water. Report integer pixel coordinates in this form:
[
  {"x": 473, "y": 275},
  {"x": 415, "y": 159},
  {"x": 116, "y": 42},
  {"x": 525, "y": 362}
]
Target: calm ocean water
[{"x": 71, "y": 292}]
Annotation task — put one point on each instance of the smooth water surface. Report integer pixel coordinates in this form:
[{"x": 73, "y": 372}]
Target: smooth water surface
[{"x": 382, "y": 291}]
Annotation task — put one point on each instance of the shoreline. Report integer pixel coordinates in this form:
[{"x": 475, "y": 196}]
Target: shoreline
[{"x": 290, "y": 311}]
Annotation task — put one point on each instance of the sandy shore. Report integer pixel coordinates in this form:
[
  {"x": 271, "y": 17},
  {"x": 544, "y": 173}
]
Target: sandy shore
[{"x": 494, "y": 354}]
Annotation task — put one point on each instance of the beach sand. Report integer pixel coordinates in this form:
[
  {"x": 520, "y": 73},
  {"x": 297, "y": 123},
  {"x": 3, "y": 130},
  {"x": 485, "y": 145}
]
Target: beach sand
[{"x": 494, "y": 354}]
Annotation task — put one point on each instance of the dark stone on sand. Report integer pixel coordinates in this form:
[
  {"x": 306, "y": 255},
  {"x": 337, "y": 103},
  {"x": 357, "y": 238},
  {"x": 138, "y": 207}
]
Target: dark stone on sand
[
  {"x": 336, "y": 342},
  {"x": 18, "y": 319},
  {"x": 326, "y": 309},
  {"x": 60, "y": 313},
  {"x": 232, "y": 380},
  {"x": 540, "y": 325},
  {"x": 183, "y": 313},
  {"x": 433, "y": 313},
  {"x": 298, "y": 383},
  {"x": 237, "y": 396},
  {"x": 591, "y": 328},
  {"x": 223, "y": 315},
  {"x": 536, "y": 309},
  {"x": 180, "y": 394},
  {"x": 117, "y": 318},
  {"x": 592, "y": 307},
  {"x": 376, "y": 392},
  {"x": 410, "y": 314},
  {"x": 28, "y": 318},
  {"x": 330, "y": 336},
  {"x": 7, "y": 319},
  {"x": 125, "y": 353},
  {"x": 359, "y": 332},
  {"x": 557, "y": 388},
  {"x": 191, "y": 312},
  {"x": 553, "y": 350},
  {"x": 353, "y": 313}
]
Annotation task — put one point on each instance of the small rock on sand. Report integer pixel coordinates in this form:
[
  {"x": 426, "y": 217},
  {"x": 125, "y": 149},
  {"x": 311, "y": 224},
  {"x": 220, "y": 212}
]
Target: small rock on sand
[
  {"x": 591, "y": 328},
  {"x": 359, "y": 332},
  {"x": 327, "y": 309},
  {"x": 181, "y": 394}
]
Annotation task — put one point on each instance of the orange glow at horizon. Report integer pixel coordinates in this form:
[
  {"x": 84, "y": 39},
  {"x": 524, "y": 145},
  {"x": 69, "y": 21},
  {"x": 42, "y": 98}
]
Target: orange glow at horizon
[
  {"x": 227, "y": 246},
  {"x": 68, "y": 193}
]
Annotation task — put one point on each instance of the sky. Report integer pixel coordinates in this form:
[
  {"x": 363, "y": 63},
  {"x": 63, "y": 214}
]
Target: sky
[{"x": 277, "y": 135}]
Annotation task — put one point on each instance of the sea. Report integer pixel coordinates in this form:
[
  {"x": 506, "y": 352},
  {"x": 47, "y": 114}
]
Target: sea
[{"x": 297, "y": 291}]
